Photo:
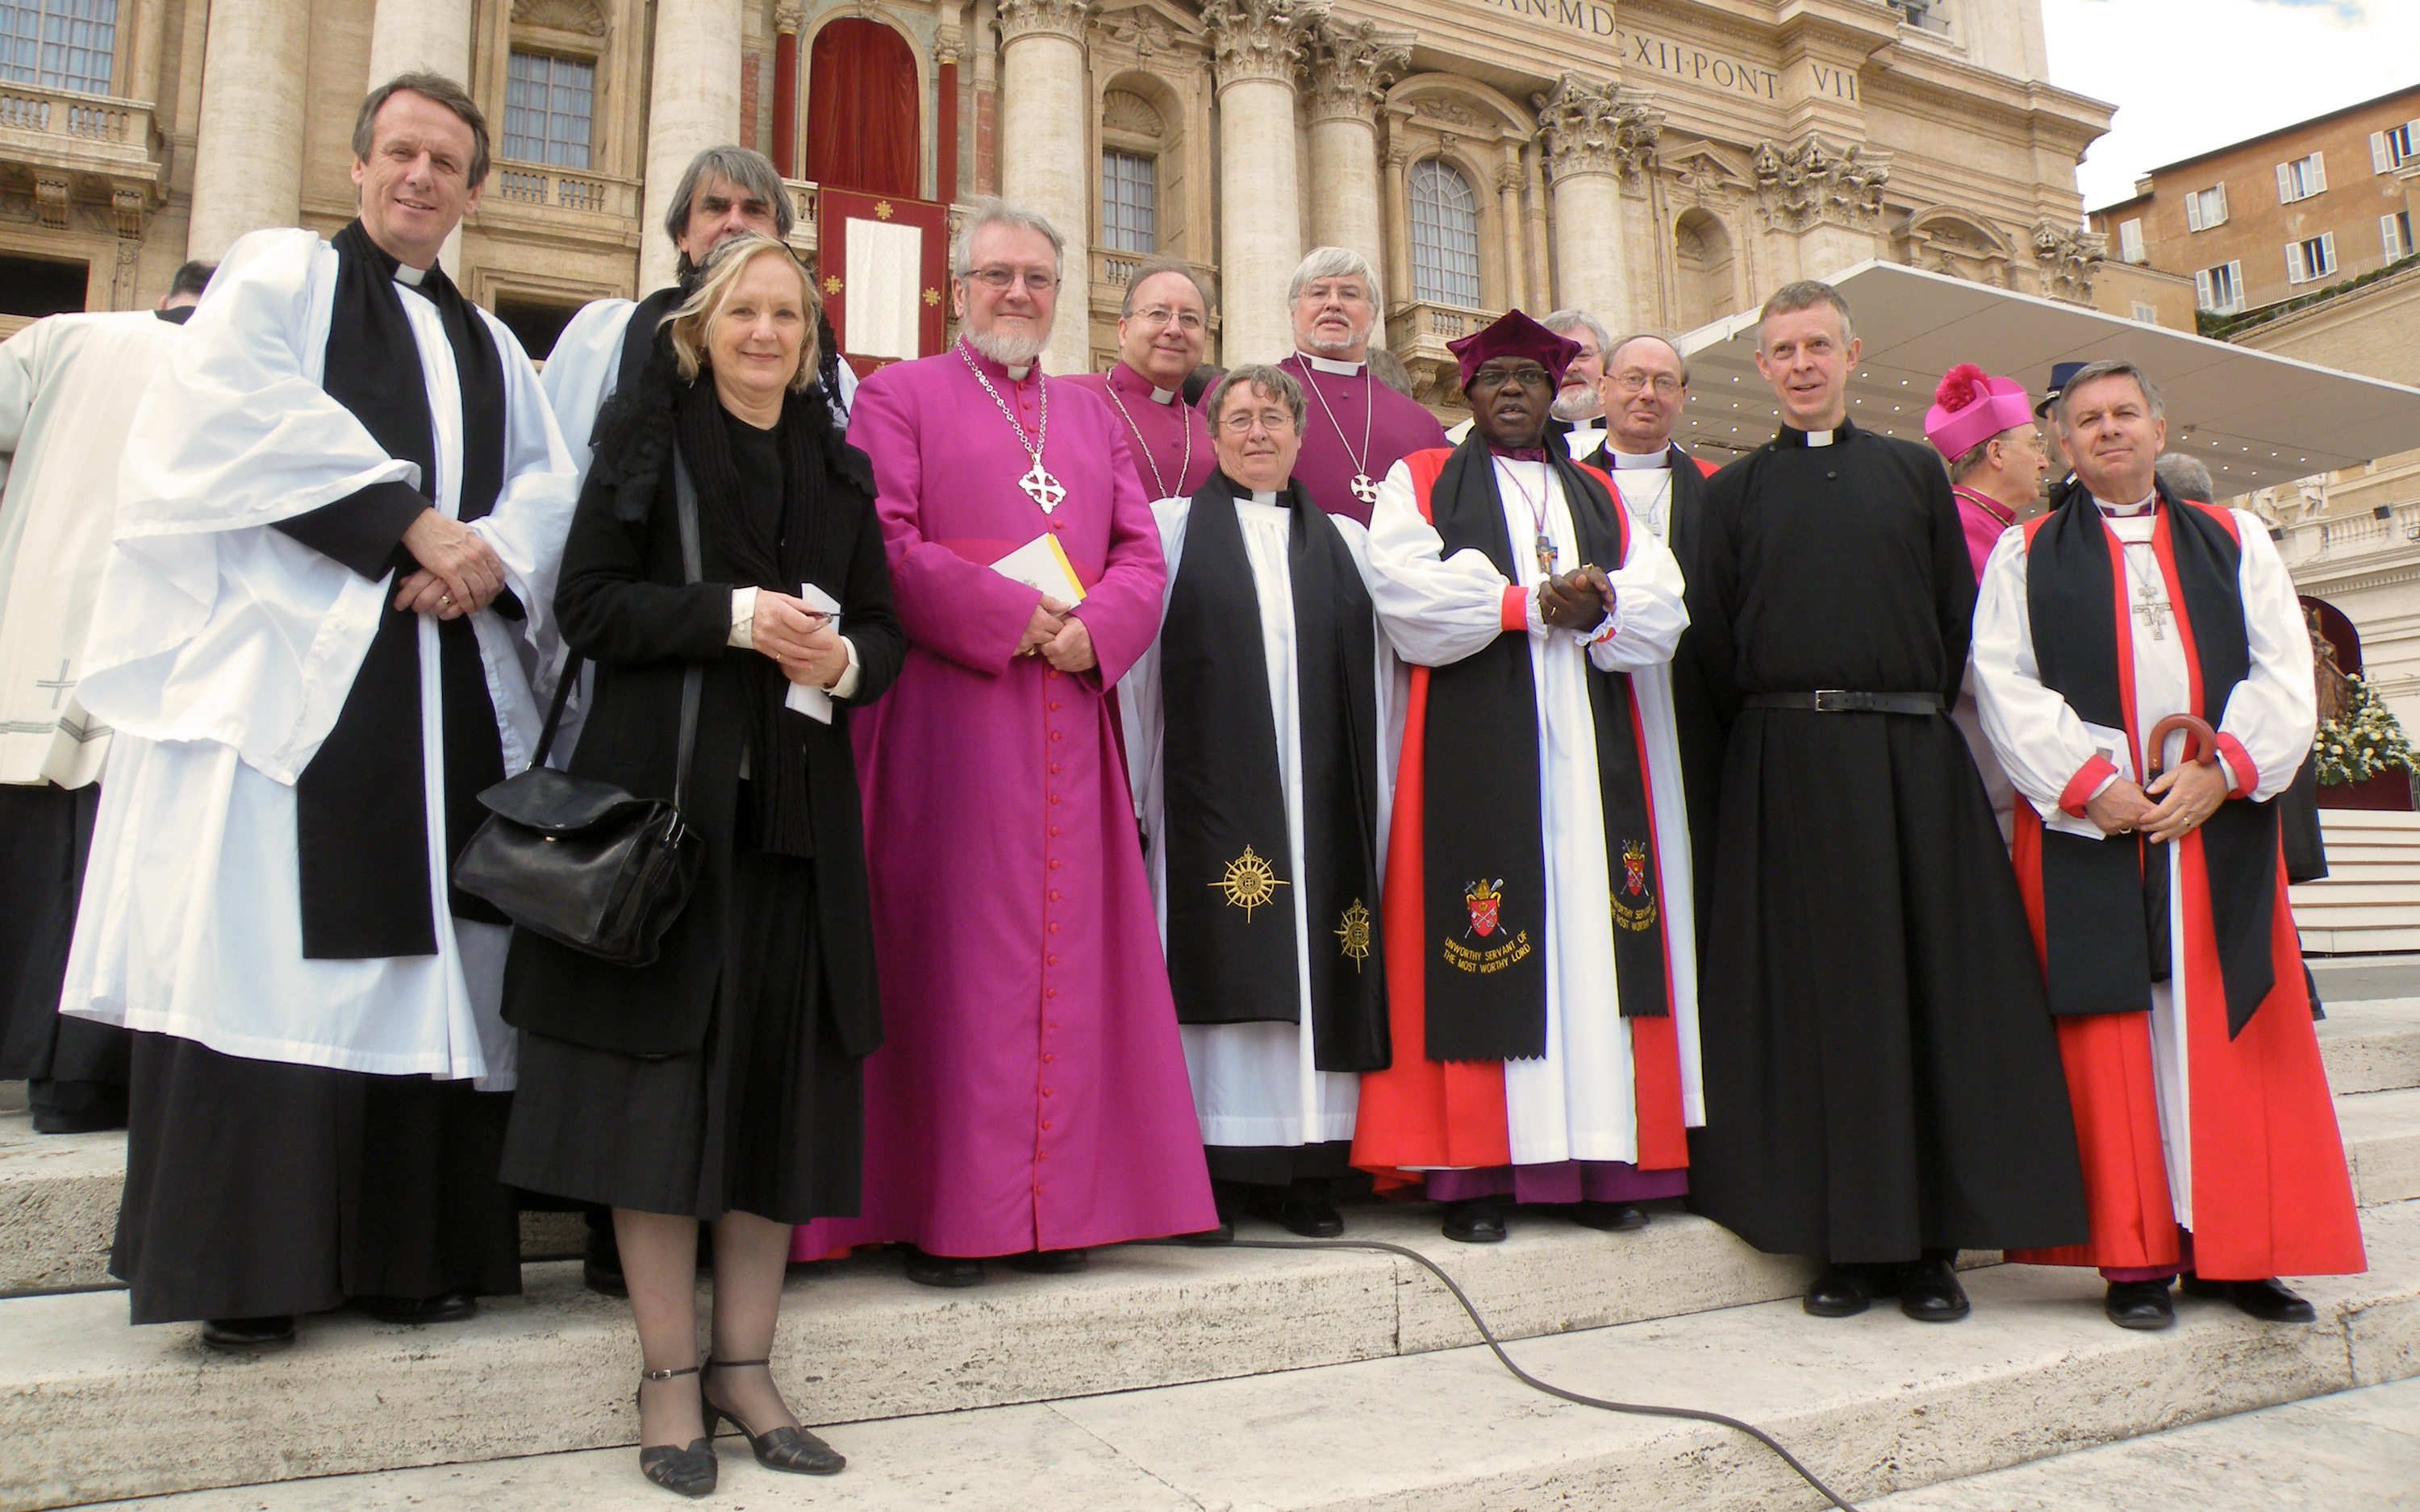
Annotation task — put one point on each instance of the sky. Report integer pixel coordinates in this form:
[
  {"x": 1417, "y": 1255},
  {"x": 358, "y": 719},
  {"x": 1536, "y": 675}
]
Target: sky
[{"x": 2190, "y": 75}]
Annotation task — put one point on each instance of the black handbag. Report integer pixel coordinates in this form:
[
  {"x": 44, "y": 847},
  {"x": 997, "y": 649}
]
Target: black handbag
[{"x": 583, "y": 862}]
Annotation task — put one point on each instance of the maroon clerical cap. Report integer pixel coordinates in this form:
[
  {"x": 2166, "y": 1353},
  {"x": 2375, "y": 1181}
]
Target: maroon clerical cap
[{"x": 1515, "y": 335}]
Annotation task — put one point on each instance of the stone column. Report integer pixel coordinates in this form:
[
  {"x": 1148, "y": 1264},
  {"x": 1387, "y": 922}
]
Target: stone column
[
  {"x": 1046, "y": 103},
  {"x": 248, "y": 158},
  {"x": 428, "y": 37},
  {"x": 1594, "y": 135},
  {"x": 1350, "y": 65},
  {"x": 1399, "y": 215},
  {"x": 948, "y": 44},
  {"x": 693, "y": 104},
  {"x": 1516, "y": 260},
  {"x": 1259, "y": 44},
  {"x": 785, "y": 92}
]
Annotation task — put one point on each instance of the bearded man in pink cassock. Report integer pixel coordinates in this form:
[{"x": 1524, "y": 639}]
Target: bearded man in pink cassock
[{"x": 1030, "y": 1098}]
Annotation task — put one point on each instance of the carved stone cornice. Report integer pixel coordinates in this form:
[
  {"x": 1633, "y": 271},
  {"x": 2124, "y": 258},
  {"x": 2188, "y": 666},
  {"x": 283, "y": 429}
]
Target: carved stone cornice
[
  {"x": 1257, "y": 38},
  {"x": 1019, "y": 19},
  {"x": 1814, "y": 181},
  {"x": 949, "y": 45},
  {"x": 1597, "y": 128},
  {"x": 2069, "y": 260},
  {"x": 1348, "y": 65},
  {"x": 580, "y": 17}
]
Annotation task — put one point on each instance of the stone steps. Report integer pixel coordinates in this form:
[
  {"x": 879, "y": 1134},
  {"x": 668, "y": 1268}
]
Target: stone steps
[
  {"x": 1876, "y": 1405},
  {"x": 58, "y": 1193},
  {"x": 2367, "y": 902}
]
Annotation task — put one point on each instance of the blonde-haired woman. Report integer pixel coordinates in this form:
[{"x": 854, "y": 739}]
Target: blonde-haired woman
[{"x": 723, "y": 1082}]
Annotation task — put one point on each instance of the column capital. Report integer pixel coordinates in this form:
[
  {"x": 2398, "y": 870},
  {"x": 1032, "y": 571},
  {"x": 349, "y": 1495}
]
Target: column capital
[
  {"x": 949, "y": 45},
  {"x": 2069, "y": 260},
  {"x": 788, "y": 16},
  {"x": 1814, "y": 181},
  {"x": 1597, "y": 129},
  {"x": 1257, "y": 38},
  {"x": 1020, "y": 18},
  {"x": 1348, "y": 65}
]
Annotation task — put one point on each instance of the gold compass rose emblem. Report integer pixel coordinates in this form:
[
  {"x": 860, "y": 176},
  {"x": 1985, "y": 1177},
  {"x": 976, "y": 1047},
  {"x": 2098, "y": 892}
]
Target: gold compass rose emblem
[
  {"x": 1249, "y": 883},
  {"x": 1356, "y": 933}
]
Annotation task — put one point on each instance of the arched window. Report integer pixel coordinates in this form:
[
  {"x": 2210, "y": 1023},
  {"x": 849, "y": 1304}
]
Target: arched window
[
  {"x": 862, "y": 117},
  {"x": 1445, "y": 235}
]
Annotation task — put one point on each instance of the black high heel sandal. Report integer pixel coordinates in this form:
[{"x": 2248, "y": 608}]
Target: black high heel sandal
[
  {"x": 791, "y": 1449},
  {"x": 689, "y": 1472}
]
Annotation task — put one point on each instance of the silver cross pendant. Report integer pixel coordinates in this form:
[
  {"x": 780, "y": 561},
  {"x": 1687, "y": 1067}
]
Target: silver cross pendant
[
  {"x": 1042, "y": 487},
  {"x": 1365, "y": 488}
]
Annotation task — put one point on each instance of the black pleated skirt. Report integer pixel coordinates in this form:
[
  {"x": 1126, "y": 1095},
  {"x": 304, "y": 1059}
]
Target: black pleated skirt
[
  {"x": 767, "y": 1117},
  {"x": 257, "y": 1188},
  {"x": 79, "y": 1067}
]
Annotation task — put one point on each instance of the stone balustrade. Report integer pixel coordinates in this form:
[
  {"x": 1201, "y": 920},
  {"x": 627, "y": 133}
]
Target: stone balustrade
[
  {"x": 60, "y": 128},
  {"x": 1418, "y": 333}
]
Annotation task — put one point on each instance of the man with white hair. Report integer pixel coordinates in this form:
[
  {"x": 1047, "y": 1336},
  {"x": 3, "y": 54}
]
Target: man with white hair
[
  {"x": 1358, "y": 426},
  {"x": 1029, "y": 1099},
  {"x": 1578, "y": 409}
]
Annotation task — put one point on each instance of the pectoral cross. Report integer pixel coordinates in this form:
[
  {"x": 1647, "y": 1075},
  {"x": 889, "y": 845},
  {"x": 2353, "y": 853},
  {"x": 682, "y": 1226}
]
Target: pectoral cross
[
  {"x": 1042, "y": 487},
  {"x": 1365, "y": 488},
  {"x": 2152, "y": 611},
  {"x": 58, "y": 686}
]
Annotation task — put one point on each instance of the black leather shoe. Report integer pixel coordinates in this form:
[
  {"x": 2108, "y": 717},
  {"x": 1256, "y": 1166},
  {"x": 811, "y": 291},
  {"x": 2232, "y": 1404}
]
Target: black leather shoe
[
  {"x": 1051, "y": 1261},
  {"x": 1838, "y": 1291},
  {"x": 249, "y": 1336},
  {"x": 1929, "y": 1293},
  {"x": 445, "y": 1307},
  {"x": 790, "y": 1448},
  {"x": 1477, "y": 1220},
  {"x": 1205, "y": 1237},
  {"x": 2265, "y": 1299},
  {"x": 2144, "y": 1304},
  {"x": 942, "y": 1270},
  {"x": 1612, "y": 1217},
  {"x": 1301, "y": 1208},
  {"x": 685, "y": 1471}
]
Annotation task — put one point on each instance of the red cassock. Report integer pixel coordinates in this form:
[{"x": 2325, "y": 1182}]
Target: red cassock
[
  {"x": 1423, "y": 1114},
  {"x": 2270, "y": 1193}
]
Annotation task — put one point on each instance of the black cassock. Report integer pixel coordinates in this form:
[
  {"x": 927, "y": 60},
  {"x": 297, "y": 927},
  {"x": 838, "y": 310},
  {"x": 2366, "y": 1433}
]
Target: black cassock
[{"x": 1881, "y": 1071}]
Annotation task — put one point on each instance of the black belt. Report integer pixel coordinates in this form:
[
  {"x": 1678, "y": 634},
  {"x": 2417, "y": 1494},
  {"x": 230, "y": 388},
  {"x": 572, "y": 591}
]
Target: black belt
[{"x": 1848, "y": 701}]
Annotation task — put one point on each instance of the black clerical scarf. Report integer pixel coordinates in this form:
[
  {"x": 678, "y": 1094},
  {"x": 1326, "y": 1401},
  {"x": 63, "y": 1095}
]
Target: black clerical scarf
[
  {"x": 2105, "y": 913},
  {"x": 1485, "y": 890},
  {"x": 360, "y": 818},
  {"x": 1231, "y": 960}
]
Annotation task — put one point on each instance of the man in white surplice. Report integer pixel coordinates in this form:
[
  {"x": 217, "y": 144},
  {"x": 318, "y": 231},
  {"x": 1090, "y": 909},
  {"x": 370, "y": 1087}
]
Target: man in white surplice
[
  {"x": 1527, "y": 1064},
  {"x": 312, "y": 664},
  {"x": 1234, "y": 738}
]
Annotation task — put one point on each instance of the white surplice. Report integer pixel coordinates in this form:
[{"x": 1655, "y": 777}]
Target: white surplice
[
  {"x": 223, "y": 651},
  {"x": 2042, "y": 743},
  {"x": 1579, "y": 1101},
  {"x": 1259, "y": 1084},
  {"x": 69, "y": 386},
  {"x": 1646, "y": 495}
]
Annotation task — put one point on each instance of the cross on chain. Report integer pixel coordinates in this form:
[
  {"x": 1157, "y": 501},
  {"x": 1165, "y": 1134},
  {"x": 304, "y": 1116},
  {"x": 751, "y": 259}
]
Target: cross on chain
[
  {"x": 1365, "y": 488},
  {"x": 1042, "y": 487},
  {"x": 2152, "y": 611},
  {"x": 58, "y": 686}
]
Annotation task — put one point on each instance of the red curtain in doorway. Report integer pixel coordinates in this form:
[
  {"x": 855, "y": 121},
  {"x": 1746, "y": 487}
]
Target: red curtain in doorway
[{"x": 861, "y": 127}]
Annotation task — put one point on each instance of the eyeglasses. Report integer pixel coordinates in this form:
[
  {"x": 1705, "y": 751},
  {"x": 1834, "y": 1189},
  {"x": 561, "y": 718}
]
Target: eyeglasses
[
  {"x": 1665, "y": 385},
  {"x": 1156, "y": 317},
  {"x": 1272, "y": 420},
  {"x": 1529, "y": 375},
  {"x": 998, "y": 279}
]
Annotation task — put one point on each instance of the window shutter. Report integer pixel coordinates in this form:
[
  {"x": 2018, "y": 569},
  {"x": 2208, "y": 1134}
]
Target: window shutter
[
  {"x": 2296, "y": 271},
  {"x": 2193, "y": 211},
  {"x": 2220, "y": 219},
  {"x": 2327, "y": 254},
  {"x": 2389, "y": 236},
  {"x": 2235, "y": 285},
  {"x": 2285, "y": 194},
  {"x": 2379, "y": 159},
  {"x": 2130, "y": 240},
  {"x": 2318, "y": 180},
  {"x": 2411, "y": 138},
  {"x": 2202, "y": 298}
]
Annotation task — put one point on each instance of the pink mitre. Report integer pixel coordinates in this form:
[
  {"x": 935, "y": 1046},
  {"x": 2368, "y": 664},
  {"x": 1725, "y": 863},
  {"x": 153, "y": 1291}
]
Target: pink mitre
[
  {"x": 1971, "y": 407},
  {"x": 1515, "y": 335}
]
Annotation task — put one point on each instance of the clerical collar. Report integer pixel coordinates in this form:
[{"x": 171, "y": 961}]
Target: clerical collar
[
  {"x": 1519, "y": 454},
  {"x": 1135, "y": 380},
  {"x": 1623, "y": 462},
  {"x": 1793, "y": 435},
  {"x": 1274, "y": 498},
  {"x": 984, "y": 362},
  {"x": 405, "y": 273},
  {"x": 1330, "y": 365},
  {"x": 2142, "y": 506},
  {"x": 1988, "y": 504}
]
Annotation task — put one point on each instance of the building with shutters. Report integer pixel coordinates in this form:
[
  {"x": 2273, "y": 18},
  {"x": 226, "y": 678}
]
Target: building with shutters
[
  {"x": 1661, "y": 162},
  {"x": 2281, "y": 215}
]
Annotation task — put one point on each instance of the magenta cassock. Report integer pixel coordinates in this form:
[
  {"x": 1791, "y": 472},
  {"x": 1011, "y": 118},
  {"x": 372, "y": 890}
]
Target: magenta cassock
[{"x": 1031, "y": 1091}]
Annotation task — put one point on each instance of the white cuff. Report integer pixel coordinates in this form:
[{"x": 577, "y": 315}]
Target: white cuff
[
  {"x": 1536, "y": 609},
  {"x": 743, "y": 618},
  {"x": 847, "y": 687}
]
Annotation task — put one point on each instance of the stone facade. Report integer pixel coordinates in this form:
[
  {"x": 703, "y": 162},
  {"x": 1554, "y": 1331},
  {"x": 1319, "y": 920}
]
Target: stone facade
[{"x": 1662, "y": 162}]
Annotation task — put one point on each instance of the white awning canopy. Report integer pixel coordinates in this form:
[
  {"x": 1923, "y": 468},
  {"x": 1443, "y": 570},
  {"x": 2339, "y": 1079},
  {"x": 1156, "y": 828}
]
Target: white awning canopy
[{"x": 2256, "y": 419}]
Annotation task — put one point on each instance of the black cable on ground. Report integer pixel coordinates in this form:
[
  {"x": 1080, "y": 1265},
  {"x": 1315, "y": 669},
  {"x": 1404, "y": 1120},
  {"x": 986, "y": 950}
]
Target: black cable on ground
[{"x": 1527, "y": 1379}]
